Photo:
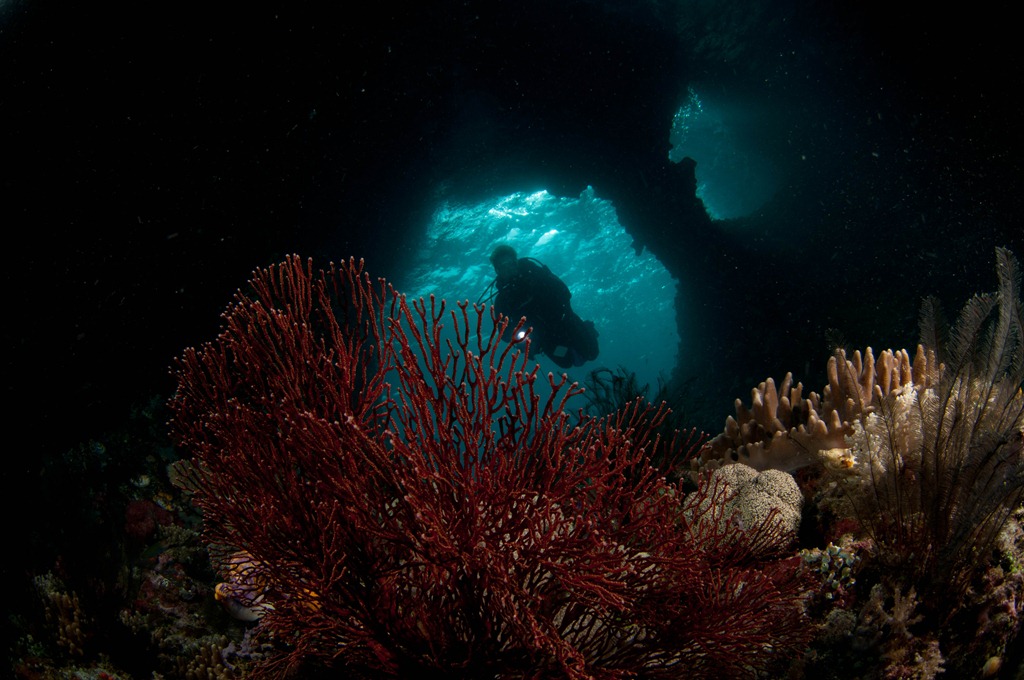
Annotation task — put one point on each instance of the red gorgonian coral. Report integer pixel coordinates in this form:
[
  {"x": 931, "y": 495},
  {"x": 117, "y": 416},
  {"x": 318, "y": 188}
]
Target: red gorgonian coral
[{"x": 411, "y": 507}]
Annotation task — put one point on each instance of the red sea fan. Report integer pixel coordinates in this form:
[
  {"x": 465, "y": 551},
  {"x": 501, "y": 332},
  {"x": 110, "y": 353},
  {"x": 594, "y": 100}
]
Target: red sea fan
[{"x": 409, "y": 506}]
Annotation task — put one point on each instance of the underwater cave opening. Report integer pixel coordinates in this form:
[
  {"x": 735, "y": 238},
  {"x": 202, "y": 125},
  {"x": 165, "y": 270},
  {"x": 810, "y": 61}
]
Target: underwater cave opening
[{"x": 630, "y": 296}]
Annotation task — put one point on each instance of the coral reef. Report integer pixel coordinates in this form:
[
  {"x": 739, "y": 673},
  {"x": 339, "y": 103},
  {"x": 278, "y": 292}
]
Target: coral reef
[
  {"x": 385, "y": 494},
  {"x": 129, "y": 595},
  {"x": 937, "y": 464},
  {"x": 886, "y": 627},
  {"x": 921, "y": 466},
  {"x": 405, "y": 502},
  {"x": 171, "y": 614}
]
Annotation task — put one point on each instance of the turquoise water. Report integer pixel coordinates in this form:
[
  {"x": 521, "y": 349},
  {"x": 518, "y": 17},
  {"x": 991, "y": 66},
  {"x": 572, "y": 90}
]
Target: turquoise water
[{"x": 630, "y": 297}]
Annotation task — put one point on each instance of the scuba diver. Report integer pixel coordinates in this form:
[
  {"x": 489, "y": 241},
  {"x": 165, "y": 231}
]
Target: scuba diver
[{"x": 525, "y": 287}]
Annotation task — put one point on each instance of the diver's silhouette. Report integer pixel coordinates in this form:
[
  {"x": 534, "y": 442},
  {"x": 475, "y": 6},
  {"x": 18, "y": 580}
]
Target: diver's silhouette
[{"x": 525, "y": 287}]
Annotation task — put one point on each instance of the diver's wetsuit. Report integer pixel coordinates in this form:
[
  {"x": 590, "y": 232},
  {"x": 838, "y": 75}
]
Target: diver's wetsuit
[{"x": 543, "y": 298}]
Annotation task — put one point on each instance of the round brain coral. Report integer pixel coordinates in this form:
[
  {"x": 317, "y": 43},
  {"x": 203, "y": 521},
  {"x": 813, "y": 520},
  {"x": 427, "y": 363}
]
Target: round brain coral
[{"x": 768, "y": 503}]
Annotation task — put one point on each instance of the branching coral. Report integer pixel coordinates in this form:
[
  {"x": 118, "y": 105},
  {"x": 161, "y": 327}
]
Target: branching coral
[
  {"x": 414, "y": 507},
  {"x": 886, "y": 623},
  {"x": 926, "y": 453},
  {"x": 64, "y": 614},
  {"x": 783, "y": 430},
  {"x": 922, "y": 458}
]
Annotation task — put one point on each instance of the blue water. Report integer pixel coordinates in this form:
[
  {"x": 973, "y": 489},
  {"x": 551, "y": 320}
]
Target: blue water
[
  {"x": 735, "y": 175},
  {"x": 630, "y": 297}
]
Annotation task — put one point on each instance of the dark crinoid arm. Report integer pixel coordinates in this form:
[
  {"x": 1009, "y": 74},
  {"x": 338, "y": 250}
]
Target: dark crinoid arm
[{"x": 972, "y": 464}]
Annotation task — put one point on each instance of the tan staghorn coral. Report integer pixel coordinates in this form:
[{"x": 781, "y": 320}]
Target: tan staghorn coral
[
  {"x": 64, "y": 614},
  {"x": 782, "y": 430},
  {"x": 205, "y": 663},
  {"x": 856, "y": 386},
  {"x": 774, "y": 433}
]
